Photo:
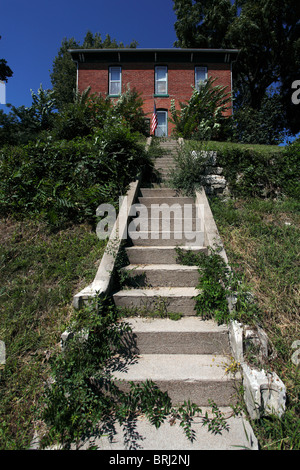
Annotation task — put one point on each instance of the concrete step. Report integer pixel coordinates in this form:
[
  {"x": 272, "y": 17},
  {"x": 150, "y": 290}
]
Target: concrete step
[
  {"x": 161, "y": 275},
  {"x": 189, "y": 335},
  {"x": 166, "y": 158},
  {"x": 195, "y": 377},
  {"x": 167, "y": 238},
  {"x": 160, "y": 224},
  {"x": 158, "y": 192},
  {"x": 170, "y": 437},
  {"x": 157, "y": 254},
  {"x": 161, "y": 300},
  {"x": 165, "y": 168},
  {"x": 165, "y": 163},
  {"x": 181, "y": 200}
]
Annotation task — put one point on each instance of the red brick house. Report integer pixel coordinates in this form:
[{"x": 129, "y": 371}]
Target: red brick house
[{"x": 160, "y": 75}]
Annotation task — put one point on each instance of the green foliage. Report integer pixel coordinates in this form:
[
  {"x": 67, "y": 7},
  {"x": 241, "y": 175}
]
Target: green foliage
[
  {"x": 83, "y": 399},
  {"x": 261, "y": 237},
  {"x": 289, "y": 175},
  {"x": 90, "y": 112},
  {"x": 5, "y": 70},
  {"x": 190, "y": 163},
  {"x": 63, "y": 75},
  {"x": 250, "y": 170},
  {"x": 67, "y": 180},
  {"x": 267, "y": 36},
  {"x": 24, "y": 124},
  {"x": 39, "y": 272},
  {"x": 265, "y": 125},
  {"x": 203, "y": 23},
  {"x": 75, "y": 119},
  {"x": 218, "y": 287},
  {"x": 202, "y": 117},
  {"x": 129, "y": 106}
]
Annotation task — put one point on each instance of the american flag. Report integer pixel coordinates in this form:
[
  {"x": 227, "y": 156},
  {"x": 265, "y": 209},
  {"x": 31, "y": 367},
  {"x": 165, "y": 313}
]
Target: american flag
[{"x": 154, "y": 120}]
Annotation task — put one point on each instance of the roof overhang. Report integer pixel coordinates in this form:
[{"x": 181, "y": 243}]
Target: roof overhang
[{"x": 154, "y": 55}]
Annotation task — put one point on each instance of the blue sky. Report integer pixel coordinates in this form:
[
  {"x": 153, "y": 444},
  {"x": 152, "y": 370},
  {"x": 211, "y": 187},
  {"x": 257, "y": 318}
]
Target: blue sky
[{"x": 32, "y": 32}]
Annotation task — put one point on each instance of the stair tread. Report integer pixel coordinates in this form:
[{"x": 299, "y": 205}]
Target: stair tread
[
  {"x": 160, "y": 291},
  {"x": 185, "y": 324},
  {"x": 169, "y": 267},
  {"x": 176, "y": 367}
]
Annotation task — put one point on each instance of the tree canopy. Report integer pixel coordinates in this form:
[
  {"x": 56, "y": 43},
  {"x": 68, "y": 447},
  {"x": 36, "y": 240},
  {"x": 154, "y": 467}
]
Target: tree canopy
[
  {"x": 5, "y": 70},
  {"x": 267, "y": 33}
]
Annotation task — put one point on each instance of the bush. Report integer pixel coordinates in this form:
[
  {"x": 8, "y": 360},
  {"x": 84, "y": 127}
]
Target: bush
[
  {"x": 260, "y": 126},
  {"x": 189, "y": 171},
  {"x": 250, "y": 170},
  {"x": 202, "y": 117},
  {"x": 289, "y": 175},
  {"x": 90, "y": 112},
  {"x": 66, "y": 180},
  {"x": 260, "y": 170}
]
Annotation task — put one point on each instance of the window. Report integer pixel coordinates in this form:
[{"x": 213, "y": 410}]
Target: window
[
  {"x": 115, "y": 81},
  {"x": 161, "y": 80},
  {"x": 162, "y": 124},
  {"x": 200, "y": 76}
]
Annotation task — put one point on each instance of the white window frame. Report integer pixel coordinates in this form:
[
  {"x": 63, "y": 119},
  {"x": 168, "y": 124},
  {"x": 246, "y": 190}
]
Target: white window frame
[
  {"x": 157, "y": 80},
  {"x": 197, "y": 70},
  {"x": 111, "y": 69}
]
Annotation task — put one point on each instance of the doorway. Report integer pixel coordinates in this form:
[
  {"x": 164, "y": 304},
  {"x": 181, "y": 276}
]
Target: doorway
[{"x": 162, "y": 124}]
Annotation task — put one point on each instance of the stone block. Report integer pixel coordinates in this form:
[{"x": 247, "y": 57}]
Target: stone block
[{"x": 264, "y": 393}]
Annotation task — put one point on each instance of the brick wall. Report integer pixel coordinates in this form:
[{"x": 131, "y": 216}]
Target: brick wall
[{"x": 141, "y": 77}]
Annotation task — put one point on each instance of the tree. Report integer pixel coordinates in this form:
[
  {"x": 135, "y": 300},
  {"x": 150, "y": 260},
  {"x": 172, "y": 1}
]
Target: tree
[
  {"x": 267, "y": 34},
  {"x": 63, "y": 76},
  {"x": 5, "y": 70},
  {"x": 23, "y": 124},
  {"x": 203, "y": 23}
]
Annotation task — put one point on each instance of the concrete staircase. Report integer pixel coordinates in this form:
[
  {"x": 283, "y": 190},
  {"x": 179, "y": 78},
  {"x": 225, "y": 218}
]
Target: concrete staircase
[
  {"x": 166, "y": 163},
  {"x": 186, "y": 357}
]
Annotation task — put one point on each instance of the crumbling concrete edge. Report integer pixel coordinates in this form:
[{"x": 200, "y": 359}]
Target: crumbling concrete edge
[
  {"x": 104, "y": 276},
  {"x": 264, "y": 392},
  {"x": 102, "y": 282}
]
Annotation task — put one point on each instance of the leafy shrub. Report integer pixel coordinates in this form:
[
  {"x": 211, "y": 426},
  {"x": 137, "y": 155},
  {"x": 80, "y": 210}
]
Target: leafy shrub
[
  {"x": 190, "y": 162},
  {"x": 63, "y": 180},
  {"x": 218, "y": 284},
  {"x": 85, "y": 401},
  {"x": 253, "y": 171},
  {"x": 265, "y": 125},
  {"x": 289, "y": 175},
  {"x": 129, "y": 106},
  {"x": 202, "y": 117},
  {"x": 75, "y": 119},
  {"x": 91, "y": 112},
  {"x": 250, "y": 170}
]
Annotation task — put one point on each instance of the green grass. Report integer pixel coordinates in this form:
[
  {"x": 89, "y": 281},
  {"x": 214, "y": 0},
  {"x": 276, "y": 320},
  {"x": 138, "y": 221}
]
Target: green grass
[
  {"x": 262, "y": 241},
  {"x": 40, "y": 272},
  {"x": 214, "y": 145}
]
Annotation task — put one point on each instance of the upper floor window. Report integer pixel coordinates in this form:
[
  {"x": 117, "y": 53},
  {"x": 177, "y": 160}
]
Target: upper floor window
[
  {"x": 200, "y": 76},
  {"x": 115, "y": 81},
  {"x": 161, "y": 80}
]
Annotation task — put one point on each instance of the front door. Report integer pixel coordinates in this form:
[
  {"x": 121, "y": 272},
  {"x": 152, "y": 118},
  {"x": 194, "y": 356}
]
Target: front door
[{"x": 162, "y": 124}]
